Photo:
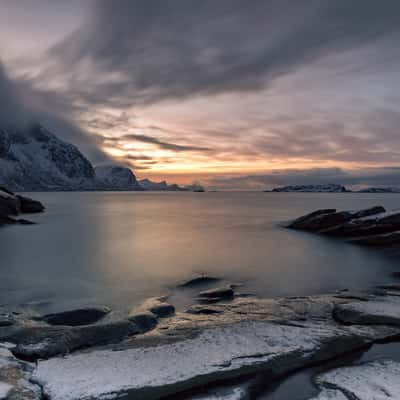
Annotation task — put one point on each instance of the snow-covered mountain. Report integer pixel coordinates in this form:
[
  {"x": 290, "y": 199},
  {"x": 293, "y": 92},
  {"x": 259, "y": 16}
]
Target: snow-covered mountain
[
  {"x": 35, "y": 159},
  {"x": 329, "y": 188},
  {"x": 147, "y": 184},
  {"x": 380, "y": 190},
  {"x": 113, "y": 177}
]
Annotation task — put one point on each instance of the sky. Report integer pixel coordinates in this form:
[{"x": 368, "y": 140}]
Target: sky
[{"x": 233, "y": 94}]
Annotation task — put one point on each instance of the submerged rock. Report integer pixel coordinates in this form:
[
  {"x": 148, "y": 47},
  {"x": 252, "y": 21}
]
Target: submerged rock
[
  {"x": 199, "y": 280},
  {"x": 83, "y": 316},
  {"x": 7, "y": 320}
]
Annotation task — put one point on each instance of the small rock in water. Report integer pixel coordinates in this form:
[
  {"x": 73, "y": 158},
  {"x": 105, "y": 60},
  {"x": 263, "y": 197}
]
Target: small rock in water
[
  {"x": 84, "y": 316},
  {"x": 6, "y": 320},
  {"x": 163, "y": 310},
  {"x": 144, "y": 321},
  {"x": 200, "y": 280},
  {"x": 156, "y": 305},
  {"x": 29, "y": 206}
]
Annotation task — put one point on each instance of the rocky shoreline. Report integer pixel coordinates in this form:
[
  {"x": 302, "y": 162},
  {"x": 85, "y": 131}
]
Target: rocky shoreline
[
  {"x": 12, "y": 205},
  {"x": 155, "y": 352},
  {"x": 370, "y": 227}
]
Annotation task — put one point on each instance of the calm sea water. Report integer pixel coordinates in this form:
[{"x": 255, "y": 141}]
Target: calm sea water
[{"x": 119, "y": 248}]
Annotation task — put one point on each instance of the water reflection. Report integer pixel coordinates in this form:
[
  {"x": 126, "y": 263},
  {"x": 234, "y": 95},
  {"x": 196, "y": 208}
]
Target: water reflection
[{"x": 117, "y": 248}]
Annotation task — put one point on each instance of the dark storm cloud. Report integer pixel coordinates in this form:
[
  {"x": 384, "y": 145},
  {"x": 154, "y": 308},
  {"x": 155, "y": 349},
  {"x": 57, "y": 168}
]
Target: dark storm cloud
[
  {"x": 177, "y": 48},
  {"x": 21, "y": 105},
  {"x": 380, "y": 177},
  {"x": 159, "y": 143}
]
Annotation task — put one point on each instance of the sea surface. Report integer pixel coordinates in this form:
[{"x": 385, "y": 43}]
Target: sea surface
[{"x": 120, "y": 248}]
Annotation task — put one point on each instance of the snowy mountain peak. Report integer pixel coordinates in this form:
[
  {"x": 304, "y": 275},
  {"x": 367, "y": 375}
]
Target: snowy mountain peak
[
  {"x": 35, "y": 159},
  {"x": 115, "y": 177}
]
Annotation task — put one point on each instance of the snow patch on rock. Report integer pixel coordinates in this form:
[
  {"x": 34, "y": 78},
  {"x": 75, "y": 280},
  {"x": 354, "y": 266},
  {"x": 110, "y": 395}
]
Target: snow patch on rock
[
  {"x": 215, "y": 352},
  {"x": 376, "y": 380}
]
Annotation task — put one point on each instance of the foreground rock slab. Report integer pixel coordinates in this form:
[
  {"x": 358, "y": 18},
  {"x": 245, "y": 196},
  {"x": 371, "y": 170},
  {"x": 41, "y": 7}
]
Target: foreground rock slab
[
  {"x": 384, "y": 311},
  {"x": 15, "y": 378},
  {"x": 376, "y": 380},
  {"x": 221, "y": 353},
  {"x": 237, "y": 339}
]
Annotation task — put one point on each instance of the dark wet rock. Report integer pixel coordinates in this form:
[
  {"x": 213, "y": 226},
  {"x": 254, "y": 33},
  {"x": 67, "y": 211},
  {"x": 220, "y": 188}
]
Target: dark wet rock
[
  {"x": 156, "y": 305},
  {"x": 390, "y": 286},
  {"x": 41, "y": 342},
  {"x": 22, "y": 221},
  {"x": 83, "y": 316},
  {"x": 388, "y": 239},
  {"x": 221, "y": 293},
  {"x": 9, "y": 204},
  {"x": 323, "y": 220},
  {"x": 163, "y": 310},
  {"x": 200, "y": 280},
  {"x": 144, "y": 321},
  {"x": 7, "y": 320},
  {"x": 306, "y": 222},
  {"x": 395, "y": 274},
  {"x": 29, "y": 206},
  {"x": 12, "y": 205},
  {"x": 370, "y": 227}
]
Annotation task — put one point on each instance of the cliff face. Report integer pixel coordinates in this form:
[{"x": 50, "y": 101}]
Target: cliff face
[{"x": 35, "y": 159}]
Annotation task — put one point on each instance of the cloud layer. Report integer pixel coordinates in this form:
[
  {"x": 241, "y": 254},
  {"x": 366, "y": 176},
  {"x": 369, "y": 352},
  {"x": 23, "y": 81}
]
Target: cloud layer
[{"x": 212, "y": 90}]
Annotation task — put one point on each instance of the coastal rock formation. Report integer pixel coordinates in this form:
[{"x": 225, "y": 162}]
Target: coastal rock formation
[
  {"x": 329, "y": 188},
  {"x": 12, "y": 205},
  {"x": 373, "y": 226},
  {"x": 246, "y": 336},
  {"x": 374, "y": 380},
  {"x": 113, "y": 177}
]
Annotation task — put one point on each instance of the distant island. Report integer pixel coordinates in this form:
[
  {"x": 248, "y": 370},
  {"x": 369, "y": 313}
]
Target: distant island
[
  {"x": 60, "y": 166},
  {"x": 331, "y": 188}
]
